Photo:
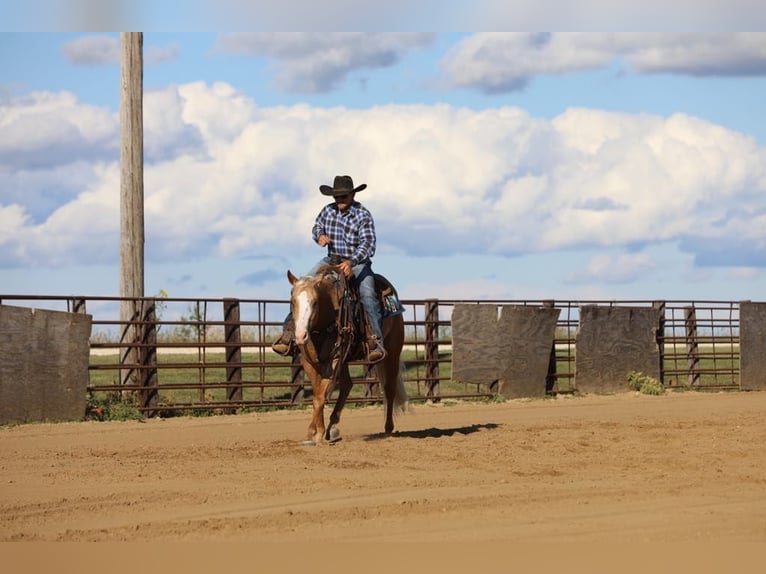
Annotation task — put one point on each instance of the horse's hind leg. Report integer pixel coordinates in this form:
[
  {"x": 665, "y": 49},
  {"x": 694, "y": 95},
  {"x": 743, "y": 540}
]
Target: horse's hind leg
[
  {"x": 387, "y": 378},
  {"x": 344, "y": 389}
]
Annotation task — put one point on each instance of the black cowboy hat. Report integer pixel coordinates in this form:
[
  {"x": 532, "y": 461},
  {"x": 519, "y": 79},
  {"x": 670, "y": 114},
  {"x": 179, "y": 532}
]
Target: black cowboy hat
[{"x": 342, "y": 185}]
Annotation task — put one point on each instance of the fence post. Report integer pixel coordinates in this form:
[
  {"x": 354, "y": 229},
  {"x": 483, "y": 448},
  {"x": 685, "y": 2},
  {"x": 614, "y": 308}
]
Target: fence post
[
  {"x": 550, "y": 378},
  {"x": 233, "y": 340},
  {"x": 296, "y": 380},
  {"x": 77, "y": 304},
  {"x": 147, "y": 354},
  {"x": 692, "y": 346},
  {"x": 660, "y": 307},
  {"x": 432, "y": 349},
  {"x": 372, "y": 386},
  {"x": 129, "y": 360}
]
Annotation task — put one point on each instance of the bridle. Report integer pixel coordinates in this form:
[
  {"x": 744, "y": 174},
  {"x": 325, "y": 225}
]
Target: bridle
[{"x": 343, "y": 328}]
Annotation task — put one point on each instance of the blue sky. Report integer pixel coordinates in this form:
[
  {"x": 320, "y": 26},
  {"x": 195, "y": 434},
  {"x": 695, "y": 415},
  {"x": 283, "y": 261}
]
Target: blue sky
[{"x": 499, "y": 165}]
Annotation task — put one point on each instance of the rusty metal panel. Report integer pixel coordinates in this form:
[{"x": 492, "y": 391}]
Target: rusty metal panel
[
  {"x": 612, "y": 342},
  {"x": 476, "y": 350},
  {"x": 752, "y": 346},
  {"x": 44, "y": 359},
  {"x": 270, "y": 381},
  {"x": 527, "y": 334}
]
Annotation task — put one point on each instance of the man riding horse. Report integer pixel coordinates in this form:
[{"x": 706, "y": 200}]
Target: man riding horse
[{"x": 347, "y": 229}]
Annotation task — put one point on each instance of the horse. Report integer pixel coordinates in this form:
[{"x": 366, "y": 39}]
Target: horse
[{"x": 326, "y": 341}]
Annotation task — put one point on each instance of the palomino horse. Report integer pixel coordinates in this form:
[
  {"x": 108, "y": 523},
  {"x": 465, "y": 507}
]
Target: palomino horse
[{"x": 321, "y": 334}]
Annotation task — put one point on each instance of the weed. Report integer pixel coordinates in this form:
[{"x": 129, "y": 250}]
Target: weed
[
  {"x": 644, "y": 384},
  {"x": 114, "y": 406}
]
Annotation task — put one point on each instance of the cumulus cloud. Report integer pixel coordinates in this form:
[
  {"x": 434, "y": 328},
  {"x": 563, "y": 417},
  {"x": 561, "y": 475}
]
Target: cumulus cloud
[
  {"x": 604, "y": 15},
  {"x": 45, "y": 129},
  {"x": 495, "y": 62},
  {"x": 332, "y": 15},
  {"x": 318, "y": 62},
  {"x": 228, "y": 178},
  {"x": 606, "y": 268},
  {"x": 93, "y": 50},
  {"x": 103, "y": 50}
]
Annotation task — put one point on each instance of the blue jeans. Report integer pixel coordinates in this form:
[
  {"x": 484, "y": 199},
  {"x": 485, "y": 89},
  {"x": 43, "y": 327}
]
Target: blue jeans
[{"x": 365, "y": 282}]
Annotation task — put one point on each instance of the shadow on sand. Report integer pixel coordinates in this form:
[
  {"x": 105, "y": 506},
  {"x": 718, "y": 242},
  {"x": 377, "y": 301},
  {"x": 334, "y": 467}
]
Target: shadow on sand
[{"x": 434, "y": 432}]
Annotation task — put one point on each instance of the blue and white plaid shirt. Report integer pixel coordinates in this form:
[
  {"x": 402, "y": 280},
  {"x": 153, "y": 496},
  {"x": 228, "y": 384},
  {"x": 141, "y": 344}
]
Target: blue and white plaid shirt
[{"x": 352, "y": 234}]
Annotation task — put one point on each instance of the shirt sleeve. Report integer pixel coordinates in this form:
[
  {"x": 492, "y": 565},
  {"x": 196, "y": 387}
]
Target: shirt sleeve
[
  {"x": 367, "y": 240},
  {"x": 319, "y": 225}
]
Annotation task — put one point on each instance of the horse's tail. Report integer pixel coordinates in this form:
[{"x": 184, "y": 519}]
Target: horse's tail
[{"x": 401, "y": 400}]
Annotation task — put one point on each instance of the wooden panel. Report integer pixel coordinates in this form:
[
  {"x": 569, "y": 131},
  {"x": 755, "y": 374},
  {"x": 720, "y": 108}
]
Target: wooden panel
[
  {"x": 612, "y": 342},
  {"x": 476, "y": 351},
  {"x": 512, "y": 348},
  {"x": 43, "y": 364},
  {"x": 752, "y": 346},
  {"x": 527, "y": 334}
]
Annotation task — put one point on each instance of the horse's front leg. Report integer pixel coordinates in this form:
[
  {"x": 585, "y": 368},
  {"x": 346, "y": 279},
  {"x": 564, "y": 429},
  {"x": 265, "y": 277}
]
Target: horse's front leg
[
  {"x": 317, "y": 431},
  {"x": 316, "y": 427}
]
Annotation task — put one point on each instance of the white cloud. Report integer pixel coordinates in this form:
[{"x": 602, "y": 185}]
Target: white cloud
[
  {"x": 367, "y": 15},
  {"x": 442, "y": 180},
  {"x": 606, "y": 268},
  {"x": 103, "y": 50},
  {"x": 318, "y": 62},
  {"x": 12, "y": 221},
  {"x": 606, "y": 15},
  {"x": 43, "y": 129},
  {"x": 740, "y": 54},
  {"x": 468, "y": 289},
  {"x": 157, "y": 55},
  {"x": 507, "y": 61},
  {"x": 93, "y": 50}
]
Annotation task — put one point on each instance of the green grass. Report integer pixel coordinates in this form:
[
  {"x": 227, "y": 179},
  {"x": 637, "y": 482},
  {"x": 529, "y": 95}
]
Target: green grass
[
  {"x": 268, "y": 377},
  {"x": 267, "y": 380}
]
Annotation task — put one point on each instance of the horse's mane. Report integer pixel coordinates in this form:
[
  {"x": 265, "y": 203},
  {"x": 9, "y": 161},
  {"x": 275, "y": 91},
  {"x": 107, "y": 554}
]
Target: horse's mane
[
  {"x": 326, "y": 270},
  {"x": 326, "y": 279},
  {"x": 321, "y": 274}
]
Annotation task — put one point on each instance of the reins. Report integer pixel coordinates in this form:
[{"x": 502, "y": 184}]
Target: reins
[
  {"x": 343, "y": 328},
  {"x": 344, "y": 341}
]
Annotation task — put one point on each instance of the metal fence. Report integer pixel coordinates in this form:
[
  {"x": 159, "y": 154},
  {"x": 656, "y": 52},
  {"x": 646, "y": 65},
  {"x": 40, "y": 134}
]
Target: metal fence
[{"x": 203, "y": 354}]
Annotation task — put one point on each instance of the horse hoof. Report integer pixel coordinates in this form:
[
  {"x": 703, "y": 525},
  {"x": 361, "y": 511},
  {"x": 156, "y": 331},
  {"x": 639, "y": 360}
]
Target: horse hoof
[
  {"x": 308, "y": 443},
  {"x": 333, "y": 435}
]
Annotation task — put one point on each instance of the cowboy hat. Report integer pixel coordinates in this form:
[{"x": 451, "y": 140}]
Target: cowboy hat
[{"x": 342, "y": 185}]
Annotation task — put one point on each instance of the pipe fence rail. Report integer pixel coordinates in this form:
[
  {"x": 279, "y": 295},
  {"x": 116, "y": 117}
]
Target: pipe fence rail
[{"x": 214, "y": 354}]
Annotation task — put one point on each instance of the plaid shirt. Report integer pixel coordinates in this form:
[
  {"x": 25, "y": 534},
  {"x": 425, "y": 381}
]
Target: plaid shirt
[{"x": 352, "y": 234}]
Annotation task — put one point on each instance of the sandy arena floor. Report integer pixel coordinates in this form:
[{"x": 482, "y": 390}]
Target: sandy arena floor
[{"x": 684, "y": 467}]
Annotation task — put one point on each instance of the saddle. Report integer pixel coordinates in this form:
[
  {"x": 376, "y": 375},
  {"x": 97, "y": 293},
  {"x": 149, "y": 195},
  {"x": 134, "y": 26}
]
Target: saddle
[
  {"x": 388, "y": 297},
  {"x": 352, "y": 320}
]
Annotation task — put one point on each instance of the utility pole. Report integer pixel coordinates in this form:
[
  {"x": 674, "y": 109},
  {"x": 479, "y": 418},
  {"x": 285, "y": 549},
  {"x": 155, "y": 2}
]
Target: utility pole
[{"x": 131, "y": 191}]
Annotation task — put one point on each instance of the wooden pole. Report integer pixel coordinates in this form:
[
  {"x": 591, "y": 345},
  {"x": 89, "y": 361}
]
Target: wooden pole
[{"x": 131, "y": 191}]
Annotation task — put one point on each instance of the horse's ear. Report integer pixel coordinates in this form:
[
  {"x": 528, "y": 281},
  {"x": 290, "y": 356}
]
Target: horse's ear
[{"x": 291, "y": 278}]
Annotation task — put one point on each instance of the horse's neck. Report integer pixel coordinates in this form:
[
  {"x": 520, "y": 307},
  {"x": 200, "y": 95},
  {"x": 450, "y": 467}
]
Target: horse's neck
[{"x": 327, "y": 304}]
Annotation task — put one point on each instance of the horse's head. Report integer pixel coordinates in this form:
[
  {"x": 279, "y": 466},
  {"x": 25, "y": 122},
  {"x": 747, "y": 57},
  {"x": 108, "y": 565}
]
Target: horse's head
[{"x": 311, "y": 303}]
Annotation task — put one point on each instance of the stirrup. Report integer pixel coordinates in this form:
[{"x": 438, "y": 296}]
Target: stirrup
[
  {"x": 285, "y": 349},
  {"x": 377, "y": 353}
]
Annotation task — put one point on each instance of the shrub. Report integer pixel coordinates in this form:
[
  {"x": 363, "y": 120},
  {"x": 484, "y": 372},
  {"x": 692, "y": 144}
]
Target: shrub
[
  {"x": 645, "y": 384},
  {"x": 113, "y": 406}
]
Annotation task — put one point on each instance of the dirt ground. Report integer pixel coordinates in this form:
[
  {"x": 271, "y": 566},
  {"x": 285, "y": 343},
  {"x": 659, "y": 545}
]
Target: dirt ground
[{"x": 683, "y": 467}]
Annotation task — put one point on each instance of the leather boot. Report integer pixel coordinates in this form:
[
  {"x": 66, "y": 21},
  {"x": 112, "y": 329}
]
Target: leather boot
[
  {"x": 377, "y": 352},
  {"x": 285, "y": 344}
]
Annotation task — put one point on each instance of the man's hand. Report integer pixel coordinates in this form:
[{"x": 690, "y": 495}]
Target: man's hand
[
  {"x": 345, "y": 268},
  {"x": 323, "y": 240}
]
